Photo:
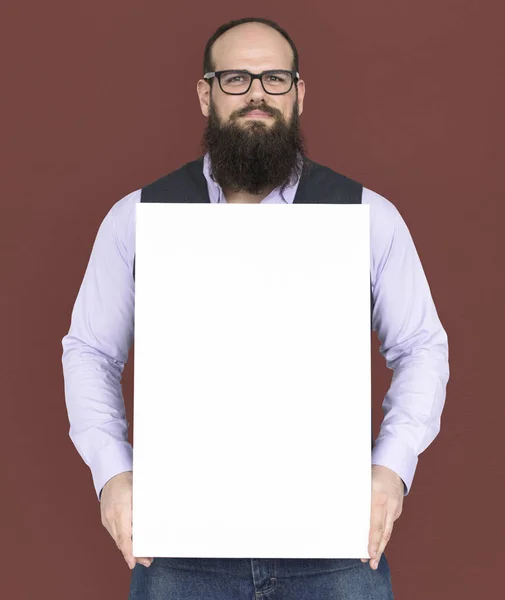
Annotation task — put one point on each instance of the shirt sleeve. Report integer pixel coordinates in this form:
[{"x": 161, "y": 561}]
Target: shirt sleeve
[
  {"x": 96, "y": 348},
  {"x": 413, "y": 343}
]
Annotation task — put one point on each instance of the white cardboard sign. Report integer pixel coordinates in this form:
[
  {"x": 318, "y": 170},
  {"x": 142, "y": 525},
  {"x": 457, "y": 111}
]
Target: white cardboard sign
[{"x": 252, "y": 414}]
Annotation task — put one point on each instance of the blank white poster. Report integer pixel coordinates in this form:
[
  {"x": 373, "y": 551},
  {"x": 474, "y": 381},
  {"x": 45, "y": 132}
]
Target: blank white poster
[{"x": 252, "y": 412}]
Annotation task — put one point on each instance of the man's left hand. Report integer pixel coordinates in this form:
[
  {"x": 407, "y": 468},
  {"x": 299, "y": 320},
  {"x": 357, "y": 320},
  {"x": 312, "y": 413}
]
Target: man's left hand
[{"x": 387, "y": 503}]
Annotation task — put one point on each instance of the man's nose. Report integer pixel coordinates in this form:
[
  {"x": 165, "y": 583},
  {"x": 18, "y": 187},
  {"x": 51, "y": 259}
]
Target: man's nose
[{"x": 256, "y": 92}]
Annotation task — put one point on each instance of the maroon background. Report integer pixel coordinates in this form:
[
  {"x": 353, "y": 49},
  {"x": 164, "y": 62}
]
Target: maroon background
[{"x": 99, "y": 98}]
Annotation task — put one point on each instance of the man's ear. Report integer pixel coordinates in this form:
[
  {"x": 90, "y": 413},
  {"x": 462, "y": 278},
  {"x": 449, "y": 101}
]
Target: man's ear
[
  {"x": 301, "y": 95},
  {"x": 203, "y": 91}
]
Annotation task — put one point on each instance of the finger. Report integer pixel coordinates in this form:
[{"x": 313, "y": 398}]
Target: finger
[
  {"x": 124, "y": 531},
  {"x": 386, "y": 536},
  {"x": 146, "y": 562},
  {"x": 143, "y": 561},
  {"x": 364, "y": 560},
  {"x": 120, "y": 537},
  {"x": 123, "y": 542},
  {"x": 377, "y": 524},
  {"x": 124, "y": 536}
]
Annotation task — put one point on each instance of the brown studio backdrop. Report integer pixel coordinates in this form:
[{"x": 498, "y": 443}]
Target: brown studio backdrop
[{"x": 99, "y": 99}]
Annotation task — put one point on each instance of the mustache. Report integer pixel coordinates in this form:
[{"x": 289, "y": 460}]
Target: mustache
[{"x": 262, "y": 107}]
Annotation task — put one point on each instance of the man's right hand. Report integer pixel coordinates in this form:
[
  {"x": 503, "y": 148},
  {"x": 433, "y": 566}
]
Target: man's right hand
[{"x": 116, "y": 512}]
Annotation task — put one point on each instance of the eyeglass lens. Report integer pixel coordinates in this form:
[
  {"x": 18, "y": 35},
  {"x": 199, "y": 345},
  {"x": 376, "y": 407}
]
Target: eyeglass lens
[{"x": 235, "y": 82}]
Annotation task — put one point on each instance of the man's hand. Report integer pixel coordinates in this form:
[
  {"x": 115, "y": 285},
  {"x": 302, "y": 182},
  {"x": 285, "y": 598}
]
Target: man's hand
[
  {"x": 387, "y": 502},
  {"x": 116, "y": 512}
]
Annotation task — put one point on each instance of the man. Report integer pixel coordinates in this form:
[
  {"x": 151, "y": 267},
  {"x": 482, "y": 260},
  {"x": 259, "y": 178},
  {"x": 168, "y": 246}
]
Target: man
[{"x": 252, "y": 96}]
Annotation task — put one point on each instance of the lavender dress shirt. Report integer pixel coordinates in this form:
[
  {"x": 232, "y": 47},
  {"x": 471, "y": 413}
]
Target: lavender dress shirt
[{"x": 413, "y": 341}]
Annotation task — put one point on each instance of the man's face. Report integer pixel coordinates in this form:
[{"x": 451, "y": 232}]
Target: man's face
[{"x": 252, "y": 152}]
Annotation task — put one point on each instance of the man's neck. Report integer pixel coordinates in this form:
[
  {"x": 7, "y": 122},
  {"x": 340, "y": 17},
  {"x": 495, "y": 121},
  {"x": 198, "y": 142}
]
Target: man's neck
[{"x": 244, "y": 197}]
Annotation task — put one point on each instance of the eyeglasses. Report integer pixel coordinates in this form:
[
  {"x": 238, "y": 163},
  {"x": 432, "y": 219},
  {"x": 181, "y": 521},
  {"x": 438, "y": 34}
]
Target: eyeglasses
[{"x": 238, "y": 82}]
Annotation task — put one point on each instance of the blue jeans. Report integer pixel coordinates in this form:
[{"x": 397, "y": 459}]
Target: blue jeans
[{"x": 255, "y": 578}]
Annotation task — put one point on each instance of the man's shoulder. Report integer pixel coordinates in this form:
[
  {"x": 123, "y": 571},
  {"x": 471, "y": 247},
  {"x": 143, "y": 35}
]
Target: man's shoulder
[
  {"x": 381, "y": 208},
  {"x": 124, "y": 208},
  {"x": 123, "y": 216},
  {"x": 384, "y": 219}
]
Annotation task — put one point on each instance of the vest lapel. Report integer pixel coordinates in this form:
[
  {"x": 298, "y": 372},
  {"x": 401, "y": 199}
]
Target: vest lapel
[
  {"x": 321, "y": 185},
  {"x": 187, "y": 184}
]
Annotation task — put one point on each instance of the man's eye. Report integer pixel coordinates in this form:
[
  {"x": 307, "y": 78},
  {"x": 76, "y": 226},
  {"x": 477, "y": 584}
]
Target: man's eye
[{"x": 234, "y": 79}]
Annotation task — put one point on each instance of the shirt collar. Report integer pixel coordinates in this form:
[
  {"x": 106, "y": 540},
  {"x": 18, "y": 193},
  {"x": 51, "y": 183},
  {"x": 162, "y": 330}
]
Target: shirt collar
[{"x": 216, "y": 193}]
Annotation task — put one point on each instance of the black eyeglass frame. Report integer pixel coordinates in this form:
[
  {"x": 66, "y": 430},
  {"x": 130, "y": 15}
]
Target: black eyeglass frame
[{"x": 295, "y": 76}]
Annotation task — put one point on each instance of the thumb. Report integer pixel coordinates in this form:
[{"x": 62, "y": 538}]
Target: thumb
[{"x": 147, "y": 562}]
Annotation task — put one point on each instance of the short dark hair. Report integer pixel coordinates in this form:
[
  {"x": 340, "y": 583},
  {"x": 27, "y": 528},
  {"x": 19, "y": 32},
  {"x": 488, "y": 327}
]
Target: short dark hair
[{"x": 208, "y": 64}]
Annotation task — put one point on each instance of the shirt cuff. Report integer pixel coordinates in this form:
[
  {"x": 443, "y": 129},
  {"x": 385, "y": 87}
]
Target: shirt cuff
[
  {"x": 109, "y": 461},
  {"x": 394, "y": 454}
]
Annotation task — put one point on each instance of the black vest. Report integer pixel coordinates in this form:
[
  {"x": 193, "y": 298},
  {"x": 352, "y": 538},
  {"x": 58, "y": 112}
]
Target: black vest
[{"x": 318, "y": 185}]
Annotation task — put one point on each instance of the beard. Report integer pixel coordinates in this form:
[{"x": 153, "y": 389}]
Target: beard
[{"x": 254, "y": 156}]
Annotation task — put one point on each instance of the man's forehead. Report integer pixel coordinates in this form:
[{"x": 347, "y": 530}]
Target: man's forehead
[
  {"x": 254, "y": 66},
  {"x": 255, "y": 50}
]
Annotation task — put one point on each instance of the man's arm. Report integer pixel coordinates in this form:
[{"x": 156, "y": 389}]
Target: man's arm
[
  {"x": 96, "y": 348},
  {"x": 413, "y": 343}
]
